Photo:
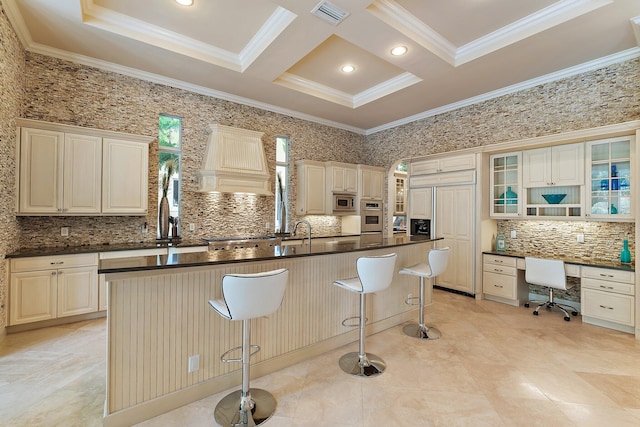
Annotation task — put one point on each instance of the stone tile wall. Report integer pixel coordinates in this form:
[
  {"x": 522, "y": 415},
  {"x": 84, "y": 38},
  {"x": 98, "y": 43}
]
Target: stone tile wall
[{"x": 11, "y": 82}]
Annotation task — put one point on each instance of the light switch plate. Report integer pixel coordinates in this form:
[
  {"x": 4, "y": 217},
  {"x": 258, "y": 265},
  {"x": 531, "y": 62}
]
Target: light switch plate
[
  {"x": 580, "y": 238},
  {"x": 194, "y": 363},
  {"x": 513, "y": 234},
  {"x": 64, "y": 231}
]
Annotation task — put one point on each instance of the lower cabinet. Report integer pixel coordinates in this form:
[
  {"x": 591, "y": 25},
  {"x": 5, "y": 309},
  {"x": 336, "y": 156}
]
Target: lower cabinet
[
  {"x": 500, "y": 279},
  {"x": 607, "y": 298},
  {"x": 44, "y": 288}
]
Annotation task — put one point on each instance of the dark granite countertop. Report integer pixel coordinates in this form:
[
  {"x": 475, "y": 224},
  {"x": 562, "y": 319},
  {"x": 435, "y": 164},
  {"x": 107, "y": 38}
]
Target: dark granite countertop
[
  {"x": 107, "y": 247},
  {"x": 250, "y": 254},
  {"x": 569, "y": 260}
]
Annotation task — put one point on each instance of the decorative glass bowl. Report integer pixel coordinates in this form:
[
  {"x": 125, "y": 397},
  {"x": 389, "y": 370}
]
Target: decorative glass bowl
[{"x": 554, "y": 199}]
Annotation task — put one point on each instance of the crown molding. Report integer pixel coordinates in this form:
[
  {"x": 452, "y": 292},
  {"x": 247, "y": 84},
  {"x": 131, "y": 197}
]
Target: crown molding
[
  {"x": 605, "y": 61},
  {"x": 635, "y": 24},
  {"x": 385, "y": 88}
]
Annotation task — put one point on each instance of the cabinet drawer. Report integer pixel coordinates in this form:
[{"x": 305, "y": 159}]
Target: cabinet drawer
[
  {"x": 608, "y": 274},
  {"x": 499, "y": 285},
  {"x": 607, "y": 286},
  {"x": 608, "y": 306},
  {"x": 53, "y": 262},
  {"x": 507, "y": 261},
  {"x": 499, "y": 269},
  {"x": 133, "y": 253}
]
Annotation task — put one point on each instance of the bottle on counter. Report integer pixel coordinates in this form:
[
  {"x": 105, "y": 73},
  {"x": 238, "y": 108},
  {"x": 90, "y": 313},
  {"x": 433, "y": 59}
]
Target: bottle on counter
[{"x": 501, "y": 243}]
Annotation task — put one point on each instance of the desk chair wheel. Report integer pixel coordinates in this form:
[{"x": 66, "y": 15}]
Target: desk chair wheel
[
  {"x": 575, "y": 313},
  {"x": 567, "y": 318},
  {"x": 526, "y": 304},
  {"x": 535, "y": 313}
]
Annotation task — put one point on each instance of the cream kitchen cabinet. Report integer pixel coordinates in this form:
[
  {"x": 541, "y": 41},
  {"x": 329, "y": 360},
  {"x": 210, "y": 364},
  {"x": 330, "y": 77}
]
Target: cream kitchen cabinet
[
  {"x": 400, "y": 207},
  {"x": 341, "y": 177},
  {"x": 610, "y": 178},
  {"x": 607, "y": 298},
  {"x": 71, "y": 170},
  {"x": 455, "y": 214},
  {"x": 311, "y": 198},
  {"x": 421, "y": 203},
  {"x": 45, "y": 288},
  {"x": 443, "y": 164},
  {"x": 504, "y": 189},
  {"x": 371, "y": 182},
  {"x": 561, "y": 165},
  {"x": 501, "y": 279},
  {"x": 124, "y": 179},
  {"x": 58, "y": 173}
]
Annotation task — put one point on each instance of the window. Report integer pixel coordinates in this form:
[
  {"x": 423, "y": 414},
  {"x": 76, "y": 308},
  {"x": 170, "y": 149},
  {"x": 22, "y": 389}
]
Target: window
[
  {"x": 282, "y": 179},
  {"x": 170, "y": 156}
]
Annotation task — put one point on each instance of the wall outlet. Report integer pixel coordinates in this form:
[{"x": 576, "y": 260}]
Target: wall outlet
[
  {"x": 192, "y": 227},
  {"x": 513, "y": 234},
  {"x": 64, "y": 231},
  {"x": 580, "y": 238},
  {"x": 145, "y": 228},
  {"x": 194, "y": 363}
]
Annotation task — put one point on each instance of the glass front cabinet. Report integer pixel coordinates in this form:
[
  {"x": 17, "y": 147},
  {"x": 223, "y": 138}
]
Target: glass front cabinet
[
  {"x": 610, "y": 178},
  {"x": 505, "y": 185}
]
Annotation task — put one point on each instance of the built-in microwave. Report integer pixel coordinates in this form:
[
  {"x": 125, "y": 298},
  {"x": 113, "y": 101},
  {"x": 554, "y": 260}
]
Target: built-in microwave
[{"x": 344, "y": 204}]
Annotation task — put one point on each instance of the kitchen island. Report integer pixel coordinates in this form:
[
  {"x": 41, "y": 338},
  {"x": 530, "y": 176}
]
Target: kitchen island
[{"x": 158, "y": 318}]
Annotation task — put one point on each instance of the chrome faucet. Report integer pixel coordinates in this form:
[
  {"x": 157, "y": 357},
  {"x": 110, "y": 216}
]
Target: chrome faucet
[{"x": 295, "y": 227}]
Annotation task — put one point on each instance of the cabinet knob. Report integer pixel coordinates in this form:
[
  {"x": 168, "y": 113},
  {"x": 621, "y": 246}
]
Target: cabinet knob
[{"x": 53, "y": 273}]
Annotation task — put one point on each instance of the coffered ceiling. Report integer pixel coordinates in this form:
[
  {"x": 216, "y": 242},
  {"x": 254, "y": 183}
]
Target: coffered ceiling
[{"x": 287, "y": 55}]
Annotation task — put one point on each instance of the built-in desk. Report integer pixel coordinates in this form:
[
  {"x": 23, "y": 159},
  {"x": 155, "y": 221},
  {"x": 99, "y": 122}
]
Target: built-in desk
[{"x": 607, "y": 294}]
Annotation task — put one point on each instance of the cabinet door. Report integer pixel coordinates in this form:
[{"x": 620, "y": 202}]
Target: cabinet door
[
  {"x": 567, "y": 164},
  {"x": 40, "y": 171},
  {"x": 371, "y": 185},
  {"x": 82, "y": 174},
  {"x": 125, "y": 169},
  {"x": 351, "y": 180},
  {"x": 421, "y": 203},
  {"x": 536, "y": 167},
  {"x": 311, "y": 189},
  {"x": 505, "y": 193},
  {"x": 77, "y": 291},
  {"x": 33, "y": 296},
  {"x": 608, "y": 306},
  {"x": 455, "y": 212}
]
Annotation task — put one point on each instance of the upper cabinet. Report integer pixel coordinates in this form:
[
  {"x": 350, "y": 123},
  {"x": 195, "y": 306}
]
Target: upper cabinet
[
  {"x": 69, "y": 170},
  {"x": 125, "y": 177},
  {"x": 609, "y": 178},
  {"x": 505, "y": 190},
  {"x": 311, "y": 188},
  {"x": 371, "y": 182},
  {"x": 400, "y": 179},
  {"x": 444, "y": 164},
  {"x": 58, "y": 173},
  {"x": 341, "y": 177},
  {"x": 553, "y": 166}
]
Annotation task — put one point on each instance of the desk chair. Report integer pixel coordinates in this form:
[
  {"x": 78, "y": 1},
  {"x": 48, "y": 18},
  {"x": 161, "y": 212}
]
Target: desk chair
[
  {"x": 244, "y": 297},
  {"x": 375, "y": 273},
  {"x": 549, "y": 273},
  {"x": 437, "y": 264}
]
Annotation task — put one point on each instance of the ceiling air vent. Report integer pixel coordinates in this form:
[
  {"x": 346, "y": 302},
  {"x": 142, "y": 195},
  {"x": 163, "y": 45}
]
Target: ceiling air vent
[{"x": 329, "y": 12}]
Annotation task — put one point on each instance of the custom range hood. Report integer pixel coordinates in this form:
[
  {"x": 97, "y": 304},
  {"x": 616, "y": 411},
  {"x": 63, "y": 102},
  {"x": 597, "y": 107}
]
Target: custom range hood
[{"x": 234, "y": 162}]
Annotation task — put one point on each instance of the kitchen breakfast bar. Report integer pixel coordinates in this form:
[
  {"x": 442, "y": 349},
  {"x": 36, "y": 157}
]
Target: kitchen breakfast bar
[{"x": 159, "y": 318}]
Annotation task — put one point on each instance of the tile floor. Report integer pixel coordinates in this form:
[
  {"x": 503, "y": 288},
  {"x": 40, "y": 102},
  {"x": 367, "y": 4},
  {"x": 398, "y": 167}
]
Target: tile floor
[{"x": 495, "y": 365}]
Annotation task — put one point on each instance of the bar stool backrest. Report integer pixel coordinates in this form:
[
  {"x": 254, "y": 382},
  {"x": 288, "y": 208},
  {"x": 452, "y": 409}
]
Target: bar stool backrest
[
  {"x": 545, "y": 272},
  {"x": 248, "y": 296},
  {"x": 438, "y": 260},
  {"x": 376, "y": 272}
]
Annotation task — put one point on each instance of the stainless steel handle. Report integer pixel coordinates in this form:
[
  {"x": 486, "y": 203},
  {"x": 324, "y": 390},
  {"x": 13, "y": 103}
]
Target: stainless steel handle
[
  {"x": 606, "y": 287},
  {"x": 604, "y": 306},
  {"x": 605, "y": 275},
  {"x": 498, "y": 286},
  {"x": 57, "y": 263},
  {"x": 497, "y": 270}
]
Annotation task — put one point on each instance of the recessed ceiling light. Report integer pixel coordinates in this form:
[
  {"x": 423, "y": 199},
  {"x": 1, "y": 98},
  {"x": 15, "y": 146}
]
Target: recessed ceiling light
[
  {"x": 348, "y": 68},
  {"x": 185, "y": 2},
  {"x": 399, "y": 50}
]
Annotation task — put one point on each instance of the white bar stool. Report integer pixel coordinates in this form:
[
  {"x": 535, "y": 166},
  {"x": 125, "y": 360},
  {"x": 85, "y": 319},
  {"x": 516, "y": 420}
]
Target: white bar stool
[
  {"x": 437, "y": 264},
  {"x": 375, "y": 273},
  {"x": 244, "y": 297}
]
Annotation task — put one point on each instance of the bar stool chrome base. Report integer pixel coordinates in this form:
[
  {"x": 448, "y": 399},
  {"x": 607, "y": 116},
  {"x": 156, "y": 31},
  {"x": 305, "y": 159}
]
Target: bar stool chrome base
[
  {"x": 371, "y": 366},
  {"x": 229, "y": 412},
  {"x": 421, "y": 332}
]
